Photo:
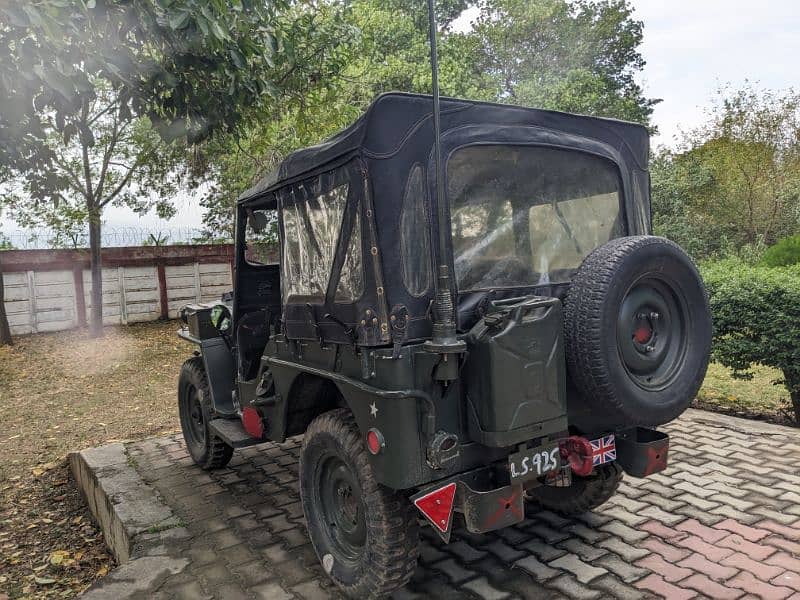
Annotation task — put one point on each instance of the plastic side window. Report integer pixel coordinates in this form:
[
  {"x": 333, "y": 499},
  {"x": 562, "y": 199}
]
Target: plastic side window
[
  {"x": 351, "y": 278},
  {"x": 415, "y": 240},
  {"x": 311, "y": 228}
]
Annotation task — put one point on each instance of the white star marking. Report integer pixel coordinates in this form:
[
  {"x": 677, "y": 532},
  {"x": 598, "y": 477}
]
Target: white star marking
[{"x": 373, "y": 410}]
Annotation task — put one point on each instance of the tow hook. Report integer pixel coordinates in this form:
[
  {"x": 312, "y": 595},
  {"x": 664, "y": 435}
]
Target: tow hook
[{"x": 577, "y": 452}]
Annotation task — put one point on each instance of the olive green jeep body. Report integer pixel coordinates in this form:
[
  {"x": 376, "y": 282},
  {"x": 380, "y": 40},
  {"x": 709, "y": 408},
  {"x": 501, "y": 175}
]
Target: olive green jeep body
[{"x": 578, "y": 331}]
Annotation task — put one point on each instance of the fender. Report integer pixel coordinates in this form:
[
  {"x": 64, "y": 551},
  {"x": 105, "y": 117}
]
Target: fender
[{"x": 220, "y": 371}]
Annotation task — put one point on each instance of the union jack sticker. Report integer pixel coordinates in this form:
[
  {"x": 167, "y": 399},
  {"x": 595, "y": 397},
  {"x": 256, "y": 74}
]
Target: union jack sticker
[{"x": 604, "y": 450}]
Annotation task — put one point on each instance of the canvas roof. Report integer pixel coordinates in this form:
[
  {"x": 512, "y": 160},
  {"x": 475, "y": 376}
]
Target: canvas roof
[{"x": 391, "y": 120}]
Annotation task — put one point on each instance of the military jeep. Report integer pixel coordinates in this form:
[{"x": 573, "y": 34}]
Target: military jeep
[{"x": 457, "y": 367}]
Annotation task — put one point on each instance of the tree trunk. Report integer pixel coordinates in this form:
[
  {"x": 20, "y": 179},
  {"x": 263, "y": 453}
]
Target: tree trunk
[
  {"x": 5, "y": 330},
  {"x": 792, "y": 378},
  {"x": 96, "y": 317}
]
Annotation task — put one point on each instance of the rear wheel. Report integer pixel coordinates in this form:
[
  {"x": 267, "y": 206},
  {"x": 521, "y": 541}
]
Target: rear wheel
[
  {"x": 365, "y": 535},
  {"x": 194, "y": 409},
  {"x": 585, "y": 493}
]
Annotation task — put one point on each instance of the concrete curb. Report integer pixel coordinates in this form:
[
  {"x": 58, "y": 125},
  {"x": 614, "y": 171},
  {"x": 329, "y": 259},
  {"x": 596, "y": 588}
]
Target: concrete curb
[
  {"x": 125, "y": 507},
  {"x": 747, "y": 426}
]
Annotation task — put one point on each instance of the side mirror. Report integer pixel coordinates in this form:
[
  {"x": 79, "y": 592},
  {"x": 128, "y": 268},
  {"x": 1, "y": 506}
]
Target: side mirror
[
  {"x": 257, "y": 221},
  {"x": 221, "y": 318}
]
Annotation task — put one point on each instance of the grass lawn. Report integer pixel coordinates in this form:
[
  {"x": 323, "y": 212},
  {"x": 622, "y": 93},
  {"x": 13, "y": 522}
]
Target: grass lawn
[
  {"x": 757, "y": 398},
  {"x": 63, "y": 391}
]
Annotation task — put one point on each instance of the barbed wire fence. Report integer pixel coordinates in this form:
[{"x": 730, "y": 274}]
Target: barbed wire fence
[{"x": 43, "y": 239}]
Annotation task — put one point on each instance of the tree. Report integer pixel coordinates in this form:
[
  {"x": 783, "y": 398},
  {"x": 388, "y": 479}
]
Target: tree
[
  {"x": 192, "y": 66},
  {"x": 584, "y": 59},
  {"x": 5, "y": 330},
  {"x": 390, "y": 52},
  {"x": 118, "y": 159},
  {"x": 88, "y": 83},
  {"x": 737, "y": 176},
  {"x": 578, "y": 56}
]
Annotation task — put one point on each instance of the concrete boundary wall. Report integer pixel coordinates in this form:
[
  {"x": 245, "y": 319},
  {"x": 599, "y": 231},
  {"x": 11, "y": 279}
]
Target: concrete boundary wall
[{"x": 50, "y": 290}]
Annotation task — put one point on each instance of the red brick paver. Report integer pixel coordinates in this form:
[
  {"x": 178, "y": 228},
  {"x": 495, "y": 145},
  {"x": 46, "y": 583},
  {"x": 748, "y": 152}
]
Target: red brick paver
[{"x": 710, "y": 526}]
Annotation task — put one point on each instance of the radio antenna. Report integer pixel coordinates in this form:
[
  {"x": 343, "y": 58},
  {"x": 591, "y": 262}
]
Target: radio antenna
[{"x": 445, "y": 340}]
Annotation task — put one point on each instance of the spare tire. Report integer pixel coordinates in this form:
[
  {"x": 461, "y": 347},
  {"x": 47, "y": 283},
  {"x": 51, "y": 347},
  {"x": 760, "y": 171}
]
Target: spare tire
[{"x": 637, "y": 330}]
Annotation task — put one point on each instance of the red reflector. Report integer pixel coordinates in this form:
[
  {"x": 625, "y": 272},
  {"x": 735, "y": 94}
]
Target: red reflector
[
  {"x": 252, "y": 422},
  {"x": 437, "y": 506},
  {"x": 375, "y": 442}
]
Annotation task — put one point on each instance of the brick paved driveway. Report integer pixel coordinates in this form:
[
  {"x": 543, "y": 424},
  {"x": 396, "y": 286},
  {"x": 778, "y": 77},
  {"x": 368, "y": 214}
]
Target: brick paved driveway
[{"x": 722, "y": 522}]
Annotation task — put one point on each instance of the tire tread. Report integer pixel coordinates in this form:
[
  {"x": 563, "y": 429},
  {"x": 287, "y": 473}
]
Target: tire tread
[
  {"x": 218, "y": 453},
  {"x": 394, "y": 529}
]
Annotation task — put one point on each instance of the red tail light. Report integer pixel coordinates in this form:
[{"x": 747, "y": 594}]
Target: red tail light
[{"x": 375, "y": 441}]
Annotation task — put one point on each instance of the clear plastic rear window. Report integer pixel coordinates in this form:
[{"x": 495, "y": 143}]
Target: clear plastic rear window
[{"x": 528, "y": 215}]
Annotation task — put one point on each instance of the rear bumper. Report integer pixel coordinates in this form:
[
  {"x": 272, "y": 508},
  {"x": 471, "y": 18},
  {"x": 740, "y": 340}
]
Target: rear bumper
[{"x": 486, "y": 507}]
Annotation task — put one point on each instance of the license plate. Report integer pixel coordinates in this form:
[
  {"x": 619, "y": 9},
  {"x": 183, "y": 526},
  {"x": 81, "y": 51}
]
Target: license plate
[{"x": 534, "y": 462}]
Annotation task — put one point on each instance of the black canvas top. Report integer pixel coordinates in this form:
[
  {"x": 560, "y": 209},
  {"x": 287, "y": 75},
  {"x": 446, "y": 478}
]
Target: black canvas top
[
  {"x": 380, "y": 151},
  {"x": 392, "y": 119}
]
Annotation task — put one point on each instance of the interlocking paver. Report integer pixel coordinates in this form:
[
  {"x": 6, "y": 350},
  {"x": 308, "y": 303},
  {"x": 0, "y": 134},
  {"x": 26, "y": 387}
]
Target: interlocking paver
[
  {"x": 707, "y": 534},
  {"x": 739, "y": 544},
  {"x": 669, "y": 571},
  {"x": 623, "y": 569},
  {"x": 700, "y": 564},
  {"x": 708, "y": 526},
  {"x": 760, "y": 569},
  {"x": 536, "y": 568},
  {"x": 615, "y": 588},
  {"x": 791, "y": 580},
  {"x": 784, "y": 560},
  {"x": 793, "y": 533},
  {"x": 656, "y": 584},
  {"x": 745, "y": 581}
]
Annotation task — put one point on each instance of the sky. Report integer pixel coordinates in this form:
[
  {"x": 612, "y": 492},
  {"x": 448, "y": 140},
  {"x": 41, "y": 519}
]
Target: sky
[{"x": 691, "y": 47}]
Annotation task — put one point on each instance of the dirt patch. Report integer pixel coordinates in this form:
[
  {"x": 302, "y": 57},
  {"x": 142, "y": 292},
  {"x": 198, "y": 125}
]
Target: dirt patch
[
  {"x": 49, "y": 545},
  {"x": 64, "y": 391},
  {"x": 61, "y": 392},
  {"x": 92, "y": 357}
]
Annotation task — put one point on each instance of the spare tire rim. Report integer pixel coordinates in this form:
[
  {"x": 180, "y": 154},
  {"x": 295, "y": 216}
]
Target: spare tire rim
[{"x": 652, "y": 332}]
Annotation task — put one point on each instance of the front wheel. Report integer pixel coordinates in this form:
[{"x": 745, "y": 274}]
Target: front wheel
[
  {"x": 365, "y": 535},
  {"x": 585, "y": 493},
  {"x": 194, "y": 409}
]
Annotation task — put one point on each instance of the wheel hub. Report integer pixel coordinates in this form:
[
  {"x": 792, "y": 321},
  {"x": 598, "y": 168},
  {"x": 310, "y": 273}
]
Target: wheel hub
[
  {"x": 342, "y": 508},
  {"x": 651, "y": 333},
  {"x": 194, "y": 420}
]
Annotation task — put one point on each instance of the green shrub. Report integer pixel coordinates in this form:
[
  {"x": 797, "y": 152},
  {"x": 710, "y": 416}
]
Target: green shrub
[
  {"x": 756, "y": 312},
  {"x": 786, "y": 252}
]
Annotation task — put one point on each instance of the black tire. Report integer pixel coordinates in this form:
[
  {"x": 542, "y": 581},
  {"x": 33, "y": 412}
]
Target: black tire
[
  {"x": 585, "y": 493},
  {"x": 365, "y": 535},
  {"x": 194, "y": 409},
  {"x": 637, "y": 330}
]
